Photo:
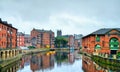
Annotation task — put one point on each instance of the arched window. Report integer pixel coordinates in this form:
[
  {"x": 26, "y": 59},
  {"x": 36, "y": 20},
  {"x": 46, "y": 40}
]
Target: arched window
[
  {"x": 114, "y": 44},
  {"x": 97, "y": 46}
]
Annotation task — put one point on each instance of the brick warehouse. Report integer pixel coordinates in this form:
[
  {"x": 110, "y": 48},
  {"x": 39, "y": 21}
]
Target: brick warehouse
[
  {"x": 105, "y": 41},
  {"x": 8, "y": 35},
  {"x": 42, "y": 38}
]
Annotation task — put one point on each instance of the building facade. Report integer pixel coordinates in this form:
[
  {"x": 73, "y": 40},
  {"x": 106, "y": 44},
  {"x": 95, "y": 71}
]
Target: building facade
[
  {"x": 102, "y": 41},
  {"x": 20, "y": 39},
  {"x": 8, "y": 35},
  {"x": 78, "y": 41},
  {"x": 42, "y": 38},
  {"x": 27, "y": 40}
]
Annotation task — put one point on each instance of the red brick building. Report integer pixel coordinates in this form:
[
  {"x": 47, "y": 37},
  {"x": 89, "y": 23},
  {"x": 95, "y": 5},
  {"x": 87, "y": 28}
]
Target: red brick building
[
  {"x": 8, "y": 35},
  {"x": 42, "y": 38},
  {"x": 106, "y": 40},
  {"x": 27, "y": 40},
  {"x": 20, "y": 39}
]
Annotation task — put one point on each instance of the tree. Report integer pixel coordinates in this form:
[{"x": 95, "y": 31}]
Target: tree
[{"x": 60, "y": 42}]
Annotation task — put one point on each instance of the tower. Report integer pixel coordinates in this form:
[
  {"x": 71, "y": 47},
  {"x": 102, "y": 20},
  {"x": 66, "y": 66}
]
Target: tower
[{"x": 59, "y": 33}]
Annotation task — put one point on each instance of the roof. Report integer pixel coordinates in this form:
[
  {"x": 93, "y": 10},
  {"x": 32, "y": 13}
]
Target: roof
[
  {"x": 42, "y": 30},
  {"x": 27, "y": 35},
  {"x": 66, "y": 35},
  {"x": 5, "y": 23},
  {"x": 102, "y": 31},
  {"x": 20, "y": 34}
]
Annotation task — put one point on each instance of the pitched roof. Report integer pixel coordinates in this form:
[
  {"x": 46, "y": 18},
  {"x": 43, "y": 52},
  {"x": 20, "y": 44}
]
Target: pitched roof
[
  {"x": 102, "y": 31},
  {"x": 27, "y": 35},
  {"x": 42, "y": 30},
  {"x": 20, "y": 34},
  {"x": 5, "y": 23}
]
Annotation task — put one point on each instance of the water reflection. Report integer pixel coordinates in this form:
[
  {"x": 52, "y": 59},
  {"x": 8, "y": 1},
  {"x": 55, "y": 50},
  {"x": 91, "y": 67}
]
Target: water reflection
[
  {"x": 57, "y": 62},
  {"x": 12, "y": 67},
  {"x": 52, "y": 62},
  {"x": 64, "y": 58},
  {"x": 41, "y": 62},
  {"x": 90, "y": 66},
  {"x": 47, "y": 62}
]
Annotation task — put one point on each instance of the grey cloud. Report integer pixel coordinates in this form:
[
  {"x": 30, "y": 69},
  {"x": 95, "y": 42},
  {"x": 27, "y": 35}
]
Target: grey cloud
[{"x": 104, "y": 11}]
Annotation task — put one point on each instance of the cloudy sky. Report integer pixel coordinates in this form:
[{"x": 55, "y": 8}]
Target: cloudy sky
[{"x": 71, "y": 16}]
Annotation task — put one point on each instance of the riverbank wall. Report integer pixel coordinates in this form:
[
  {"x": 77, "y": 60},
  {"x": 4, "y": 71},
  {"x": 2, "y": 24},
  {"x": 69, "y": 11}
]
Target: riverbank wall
[
  {"x": 6, "y": 62},
  {"x": 111, "y": 64}
]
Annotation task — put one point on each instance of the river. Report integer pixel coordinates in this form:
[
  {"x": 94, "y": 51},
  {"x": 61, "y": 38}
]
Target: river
[{"x": 55, "y": 62}]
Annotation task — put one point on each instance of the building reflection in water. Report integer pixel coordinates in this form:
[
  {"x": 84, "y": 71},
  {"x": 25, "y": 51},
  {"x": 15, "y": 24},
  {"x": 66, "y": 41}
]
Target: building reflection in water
[
  {"x": 64, "y": 58},
  {"x": 25, "y": 61},
  {"x": 11, "y": 68},
  {"x": 41, "y": 62},
  {"x": 90, "y": 66}
]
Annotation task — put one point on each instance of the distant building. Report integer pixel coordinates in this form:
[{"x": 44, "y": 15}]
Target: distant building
[
  {"x": 42, "y": 38},
  {"x": 70, "y": 39},
  {"x": 27, "y": 40},
  {"x": 8, "y": 35},
  {"x": 78, "y": 40},
  {"x": 59, "y": 33},
  {"x": 102, "y": 42},
  {"x": 78, "y": 36},
  {"x": 20, "y": 39}
]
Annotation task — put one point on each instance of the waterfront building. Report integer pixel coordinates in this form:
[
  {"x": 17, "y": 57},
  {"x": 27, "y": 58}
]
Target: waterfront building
[
  {"x": 42, "y": 38},
  {"x": 20, "y": 39},
  {"x": 78, "y": 41},
  {"x": 8, "y": 35},
  {"x": 27, "y": 40},
  {"x": 103, "y": 41},
  {"x": 8, "y": 41}
]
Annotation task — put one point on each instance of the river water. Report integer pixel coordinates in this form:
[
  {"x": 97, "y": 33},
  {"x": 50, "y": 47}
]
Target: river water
[
  {"x": 56, "y": 62},
  {"x": 51, "y": 62}
]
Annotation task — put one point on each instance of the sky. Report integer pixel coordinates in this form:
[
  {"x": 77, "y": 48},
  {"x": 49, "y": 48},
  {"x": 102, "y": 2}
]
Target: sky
[{"x": 70, "y": 16}]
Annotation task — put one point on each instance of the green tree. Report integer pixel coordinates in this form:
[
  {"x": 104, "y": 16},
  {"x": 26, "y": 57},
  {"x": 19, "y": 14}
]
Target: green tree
[{"x": 60, "y": 42}]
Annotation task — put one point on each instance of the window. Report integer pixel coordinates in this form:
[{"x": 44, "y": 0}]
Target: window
[
  {"x": 114, "y": 44},
  {"x": 98, "y": 38},
  {"x": 97, "y": 46}
]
